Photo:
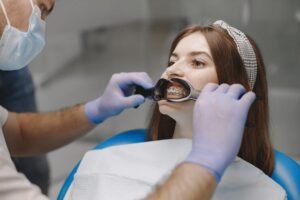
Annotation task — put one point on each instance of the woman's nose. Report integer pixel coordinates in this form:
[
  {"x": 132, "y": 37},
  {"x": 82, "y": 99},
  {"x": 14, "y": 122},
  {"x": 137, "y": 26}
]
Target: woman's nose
[{"x": 175, "y": 70}]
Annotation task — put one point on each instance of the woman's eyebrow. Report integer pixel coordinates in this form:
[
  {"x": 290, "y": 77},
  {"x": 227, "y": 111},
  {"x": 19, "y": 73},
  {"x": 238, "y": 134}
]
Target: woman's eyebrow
[
  {"x": 195, "y": 53},
  {"x": 174, "y": 55}
]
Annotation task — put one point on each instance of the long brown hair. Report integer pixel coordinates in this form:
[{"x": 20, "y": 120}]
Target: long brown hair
[{"x": 256, "y": 145}]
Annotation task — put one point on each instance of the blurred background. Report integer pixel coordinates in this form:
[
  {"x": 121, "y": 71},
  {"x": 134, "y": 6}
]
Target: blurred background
[{"x": 90, "y": 40}]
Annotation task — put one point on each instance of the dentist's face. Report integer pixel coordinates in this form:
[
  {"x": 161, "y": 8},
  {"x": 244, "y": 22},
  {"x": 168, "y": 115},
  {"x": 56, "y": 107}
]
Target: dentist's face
[
  {"x": 191, "y": 60},
  {"x": 19, "y": 11}
]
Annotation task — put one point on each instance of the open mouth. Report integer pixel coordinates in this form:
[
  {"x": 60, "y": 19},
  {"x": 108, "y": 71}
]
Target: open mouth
[{"x": 176, "y": 91}]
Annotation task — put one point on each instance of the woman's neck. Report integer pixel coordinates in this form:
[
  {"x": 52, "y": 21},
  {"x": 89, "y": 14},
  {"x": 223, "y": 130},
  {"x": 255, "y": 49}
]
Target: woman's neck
[{"x": 183, "y": 129}]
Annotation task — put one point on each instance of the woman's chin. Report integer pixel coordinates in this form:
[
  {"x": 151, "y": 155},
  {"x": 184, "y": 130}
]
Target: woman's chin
[
  {"x": 174, "y": 110},
  {"x": 166, "y": 107}
]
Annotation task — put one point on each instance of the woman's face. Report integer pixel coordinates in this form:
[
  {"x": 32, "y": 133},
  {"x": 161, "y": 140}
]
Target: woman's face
[{"x": 191, "y": 60}]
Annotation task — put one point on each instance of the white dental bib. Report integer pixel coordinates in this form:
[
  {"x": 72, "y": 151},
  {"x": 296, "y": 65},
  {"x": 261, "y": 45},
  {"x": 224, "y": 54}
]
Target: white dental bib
[{"x": 131, "y": 171}]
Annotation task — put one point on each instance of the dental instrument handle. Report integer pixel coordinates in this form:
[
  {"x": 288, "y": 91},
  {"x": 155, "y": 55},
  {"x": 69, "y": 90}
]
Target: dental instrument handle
[{"x": 147, "y": 93}]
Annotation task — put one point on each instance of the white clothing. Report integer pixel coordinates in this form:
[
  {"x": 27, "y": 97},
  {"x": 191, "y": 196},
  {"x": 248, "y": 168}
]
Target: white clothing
[
  {"x": 130, "y": 172},
  {"x": 13, "y": 185}
]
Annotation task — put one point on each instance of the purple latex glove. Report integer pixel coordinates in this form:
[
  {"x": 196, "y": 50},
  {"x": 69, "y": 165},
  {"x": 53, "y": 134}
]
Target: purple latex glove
[
  {"x": 220, "y": 114},
  {"x": 118, "y": 96}
]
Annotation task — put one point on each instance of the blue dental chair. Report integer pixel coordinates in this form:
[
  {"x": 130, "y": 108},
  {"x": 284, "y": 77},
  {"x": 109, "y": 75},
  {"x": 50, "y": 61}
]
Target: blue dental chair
[{"x": 286, "y": 172}]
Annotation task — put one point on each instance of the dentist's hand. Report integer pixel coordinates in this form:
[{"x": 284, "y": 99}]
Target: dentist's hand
[
  {"x": 117, "y": 96},
  {"x": 220, "y": 114}
]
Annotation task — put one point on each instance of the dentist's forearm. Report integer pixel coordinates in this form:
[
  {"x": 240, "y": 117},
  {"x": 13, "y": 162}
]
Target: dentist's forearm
[
  {"x": 35, "y": 133},
  {"x": 189, "y": 182}
]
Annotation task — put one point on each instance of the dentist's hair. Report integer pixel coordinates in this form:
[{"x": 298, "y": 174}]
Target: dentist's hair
[{"x": 256, "y": 147}]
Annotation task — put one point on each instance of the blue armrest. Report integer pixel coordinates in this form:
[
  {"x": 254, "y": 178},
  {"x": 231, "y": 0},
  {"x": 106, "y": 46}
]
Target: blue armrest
[{"x": 287, "y": 174}]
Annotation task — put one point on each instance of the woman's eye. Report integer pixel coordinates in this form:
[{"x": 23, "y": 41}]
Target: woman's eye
[
  {"x": 170, "y": 63},
  {"x": 197, "y": 64}
]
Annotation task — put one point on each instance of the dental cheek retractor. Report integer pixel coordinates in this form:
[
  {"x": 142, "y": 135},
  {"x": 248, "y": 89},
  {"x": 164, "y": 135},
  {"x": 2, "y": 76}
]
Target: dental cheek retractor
[{"x": 173, "y": 90}]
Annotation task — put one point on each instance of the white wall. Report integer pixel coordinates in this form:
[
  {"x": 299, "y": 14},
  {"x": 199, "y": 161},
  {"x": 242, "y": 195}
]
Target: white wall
[
  {"x": 78, "y": 15},
  {"x": 284, "y": 119},
  {"x": 70, "y": 18}
]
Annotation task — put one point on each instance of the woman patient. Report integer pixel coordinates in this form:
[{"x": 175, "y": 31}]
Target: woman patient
[{"x": 216, "y": 53}]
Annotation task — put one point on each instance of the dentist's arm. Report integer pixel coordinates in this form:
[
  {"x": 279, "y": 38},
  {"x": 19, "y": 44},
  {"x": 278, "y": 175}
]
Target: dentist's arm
[
  {"x": 188, "y": 182},
  {"x": 34, "y": 133},
  {"x": 219, "y": 118}
]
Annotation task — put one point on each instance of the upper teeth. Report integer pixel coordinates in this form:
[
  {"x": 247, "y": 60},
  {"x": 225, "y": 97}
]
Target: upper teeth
[{"x": 176, "y": 91}]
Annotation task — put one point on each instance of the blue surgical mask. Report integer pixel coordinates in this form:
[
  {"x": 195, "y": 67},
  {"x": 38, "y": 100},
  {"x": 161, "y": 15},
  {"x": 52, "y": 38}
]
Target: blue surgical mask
[{"x": 18, "y": 48}]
